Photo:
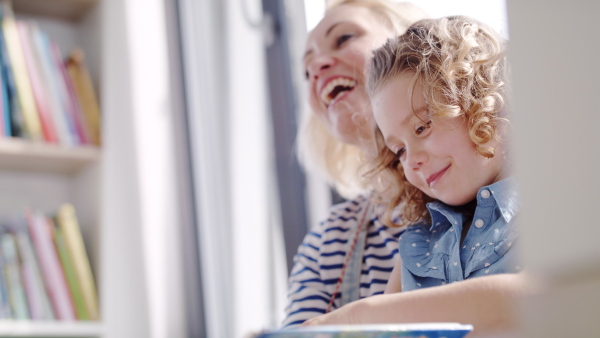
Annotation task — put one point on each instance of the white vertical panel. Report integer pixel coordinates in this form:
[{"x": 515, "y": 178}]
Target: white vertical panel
[
  {"x": 554, "y": 48},
  {"x": 251, "y": 167},
  {"x": 122, "y": 285},
  {"x": 153, "y": 127},
  {"x": 203, "y": 34}
]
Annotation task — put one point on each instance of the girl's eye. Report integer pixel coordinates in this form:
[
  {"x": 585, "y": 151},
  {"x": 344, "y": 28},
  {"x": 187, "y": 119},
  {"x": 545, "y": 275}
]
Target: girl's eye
[
  {"x": 422, "y": 128},
  {"x": 343, "y": 38},
  {"x": 400, "y": 153},
  {"x": 306, "y": 74}
]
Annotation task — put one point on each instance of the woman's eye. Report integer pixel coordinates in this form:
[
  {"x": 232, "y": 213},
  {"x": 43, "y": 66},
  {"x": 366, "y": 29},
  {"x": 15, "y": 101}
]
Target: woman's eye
[
  {"x": 306, "y": 74},
  {"x": 422, "y": 128},
  {"x": 343, "y": 38}
]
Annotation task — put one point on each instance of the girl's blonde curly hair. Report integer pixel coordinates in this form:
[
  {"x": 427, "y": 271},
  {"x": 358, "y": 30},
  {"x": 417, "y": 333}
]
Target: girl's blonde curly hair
[{"x": 461, "y": 65}]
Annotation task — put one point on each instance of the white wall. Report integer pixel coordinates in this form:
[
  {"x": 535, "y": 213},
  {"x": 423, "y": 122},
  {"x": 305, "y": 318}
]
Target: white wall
[{"x": 492, "y": 12}]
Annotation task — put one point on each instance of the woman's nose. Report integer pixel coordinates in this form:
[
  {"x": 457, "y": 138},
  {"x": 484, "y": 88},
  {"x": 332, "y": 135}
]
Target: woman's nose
[{"x": 319, "y": 64}]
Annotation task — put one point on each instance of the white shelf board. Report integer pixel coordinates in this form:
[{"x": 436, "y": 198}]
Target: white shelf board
[
  {"x": 70, "y": 10},
  {"x": 20, "y": 328},
  {"x": 18, "y": 154}
]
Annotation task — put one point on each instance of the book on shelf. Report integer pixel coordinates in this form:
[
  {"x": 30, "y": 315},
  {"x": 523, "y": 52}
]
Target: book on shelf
[
  {"x": 68, "y": 95},
  {"x": 38, "y": 90},
  {"x": 56, "y": 285},
  {"x": 12, "y": 104},
  {"x": 37, "y": 298},
  {"x": 5, "y": 308},
  {"x": 17, "y": 60},
  {"x": 3, "y": 132},
  {"x": 68, "y": 223},
  {"x": 68, "y": 267},
  {"x": 41, "y": 43},
  {"x": 5, "y": 128},
  {"x": 84, "y": 91},
  {"x": 14, "y": 283},
  {"x": 4, "y": 104}
]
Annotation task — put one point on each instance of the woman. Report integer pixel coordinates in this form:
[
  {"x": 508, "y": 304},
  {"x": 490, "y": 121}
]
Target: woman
[{"x": 335, "y": 140}]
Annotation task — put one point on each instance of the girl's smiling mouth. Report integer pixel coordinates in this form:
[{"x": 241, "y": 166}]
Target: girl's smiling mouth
[{"x": 433, "y": 179}]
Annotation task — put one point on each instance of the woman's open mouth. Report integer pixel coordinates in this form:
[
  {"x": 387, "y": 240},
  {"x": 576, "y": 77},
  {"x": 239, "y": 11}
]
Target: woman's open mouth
[{"x": 336, "y": 89}]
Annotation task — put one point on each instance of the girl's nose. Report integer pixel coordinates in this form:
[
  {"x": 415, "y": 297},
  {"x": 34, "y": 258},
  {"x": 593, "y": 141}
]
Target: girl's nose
[{"x": 416, "y": 158}]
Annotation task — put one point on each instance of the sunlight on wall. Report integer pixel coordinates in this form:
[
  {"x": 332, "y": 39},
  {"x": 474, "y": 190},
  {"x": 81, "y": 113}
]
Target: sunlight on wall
[{"x": 492, "y": 12}]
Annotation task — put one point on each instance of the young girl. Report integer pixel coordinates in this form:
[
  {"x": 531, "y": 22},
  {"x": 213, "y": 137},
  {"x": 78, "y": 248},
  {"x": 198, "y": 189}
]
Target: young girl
[{"x": 438, "y": 96}]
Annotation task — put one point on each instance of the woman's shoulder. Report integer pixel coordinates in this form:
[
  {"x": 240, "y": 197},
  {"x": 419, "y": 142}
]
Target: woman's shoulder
[
  {"x": 351, "y": 205},
  {"x": 343, "y": 216},
  {"x": 346, "y": 215}
]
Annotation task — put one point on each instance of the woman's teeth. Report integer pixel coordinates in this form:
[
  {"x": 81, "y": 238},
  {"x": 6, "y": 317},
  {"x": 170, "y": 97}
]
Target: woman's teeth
[{"x": 334, "y": 88}]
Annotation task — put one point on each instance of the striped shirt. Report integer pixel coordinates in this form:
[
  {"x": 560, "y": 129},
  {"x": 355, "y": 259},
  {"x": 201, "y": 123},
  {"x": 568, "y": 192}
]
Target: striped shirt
[{"x": 319, "y": 260}]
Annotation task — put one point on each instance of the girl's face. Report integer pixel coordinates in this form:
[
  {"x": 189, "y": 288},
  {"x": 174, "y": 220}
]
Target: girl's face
[
  {"x": 337, "y": 51},
  {"x": 438, "y": 157}
]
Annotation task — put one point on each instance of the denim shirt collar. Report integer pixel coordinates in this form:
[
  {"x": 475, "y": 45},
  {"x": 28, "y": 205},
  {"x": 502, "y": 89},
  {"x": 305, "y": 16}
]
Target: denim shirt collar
[{"x": 505, "y": 194}]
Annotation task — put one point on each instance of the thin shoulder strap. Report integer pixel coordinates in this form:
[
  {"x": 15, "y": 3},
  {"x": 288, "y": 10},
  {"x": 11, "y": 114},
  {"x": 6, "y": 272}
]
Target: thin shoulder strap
[{"x": 351, "y": 280}]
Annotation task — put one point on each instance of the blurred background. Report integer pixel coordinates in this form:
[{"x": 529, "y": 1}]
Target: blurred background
[{"x": 194, "y": 204}]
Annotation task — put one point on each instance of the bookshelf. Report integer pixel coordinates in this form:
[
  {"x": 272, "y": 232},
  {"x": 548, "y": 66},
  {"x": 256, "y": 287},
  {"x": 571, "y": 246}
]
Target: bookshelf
[
  {"x": 23, "y": 155},
  {"x": 71, "y": 10},
  {"x": 49, "y": 329},
  {"x": 43, "y": 175},
  {"x": 124, "y": 192}
]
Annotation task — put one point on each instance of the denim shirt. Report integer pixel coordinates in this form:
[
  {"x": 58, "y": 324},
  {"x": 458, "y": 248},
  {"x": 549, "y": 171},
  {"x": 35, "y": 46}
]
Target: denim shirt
[{"x": 432, "y": 254}]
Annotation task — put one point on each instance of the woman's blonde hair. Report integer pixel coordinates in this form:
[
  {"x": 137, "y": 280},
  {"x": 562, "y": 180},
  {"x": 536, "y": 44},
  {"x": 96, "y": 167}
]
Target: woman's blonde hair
[
  {"x": 343, "y": 165},
  {"x": 461, "y": 65}
]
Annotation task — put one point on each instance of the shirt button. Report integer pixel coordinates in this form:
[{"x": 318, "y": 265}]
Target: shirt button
[
  {"x": 478, "y": 223},
  {"x": 485, "y": 193}
]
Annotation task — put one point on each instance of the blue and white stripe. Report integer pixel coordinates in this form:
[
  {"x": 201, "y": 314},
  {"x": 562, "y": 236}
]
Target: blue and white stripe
[{"x": 319, "y": 260}]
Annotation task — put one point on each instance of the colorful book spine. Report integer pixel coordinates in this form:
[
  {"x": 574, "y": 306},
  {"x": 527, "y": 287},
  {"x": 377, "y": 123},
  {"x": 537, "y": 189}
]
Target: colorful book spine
[
  {"x": 70, "y": 274},
  {"x": 17, "y": 60},
  {"x": 12, "y": 102},
  {"x": 5, "y": 309},
  {"x": 54, "y": 278},
  {"x": 69, "y": 97},
  {"x": 84, "y": 90},
  {"x": 16, "y": 291},
  {"x": 4, "y": 104},
  {"x": 67, "y": 222},
  {"x": 39, "y": 304},
  {"x": 39, "y": 94},
  {"x": 61, "y": 90},
  {"x": 48, "y": 73},
  {"x": 3, "y": 120}
]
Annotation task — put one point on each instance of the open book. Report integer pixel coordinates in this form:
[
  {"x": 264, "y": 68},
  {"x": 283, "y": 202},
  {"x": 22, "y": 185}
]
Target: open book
[{"x": 419, "y": 330}]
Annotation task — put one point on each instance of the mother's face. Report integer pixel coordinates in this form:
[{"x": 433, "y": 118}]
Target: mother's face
[{"x": 337, "y": 52}]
